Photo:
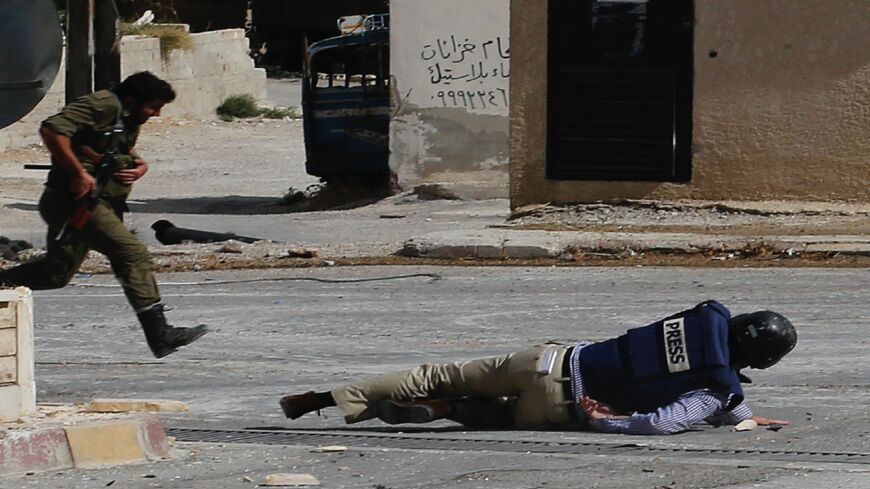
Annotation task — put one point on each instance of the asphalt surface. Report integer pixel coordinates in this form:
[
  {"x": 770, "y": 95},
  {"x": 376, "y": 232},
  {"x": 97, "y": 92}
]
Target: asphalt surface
[
  {"x": 299, "y": 332},
  {"x": 291, "y": 335}
]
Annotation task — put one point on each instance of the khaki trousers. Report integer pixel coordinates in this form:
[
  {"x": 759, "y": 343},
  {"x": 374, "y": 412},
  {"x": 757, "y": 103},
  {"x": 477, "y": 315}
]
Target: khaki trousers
[
  {"x": 534, "y": 399},
  {"x": 106, "y": 233}
]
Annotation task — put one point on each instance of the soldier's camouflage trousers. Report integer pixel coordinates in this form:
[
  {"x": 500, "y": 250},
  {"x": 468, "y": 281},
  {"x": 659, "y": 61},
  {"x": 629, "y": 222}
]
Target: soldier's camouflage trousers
[{"x": 105, "y": 233}]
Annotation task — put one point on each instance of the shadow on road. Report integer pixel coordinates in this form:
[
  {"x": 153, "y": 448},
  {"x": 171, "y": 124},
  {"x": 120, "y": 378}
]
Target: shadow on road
[{"x": 232, "y": 205}]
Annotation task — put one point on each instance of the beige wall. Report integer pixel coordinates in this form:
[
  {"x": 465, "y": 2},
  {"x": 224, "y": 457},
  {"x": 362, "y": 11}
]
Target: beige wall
[{"x": 782, "y": 111}]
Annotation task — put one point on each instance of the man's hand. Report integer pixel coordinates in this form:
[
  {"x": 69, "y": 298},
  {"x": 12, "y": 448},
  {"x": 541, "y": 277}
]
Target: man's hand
[
  {"x": 60, "y": 147},
  {"x": 81, "y": 184},
  {"x": 126, "y": 176},
  {"x": 598, "y": 410},
  {"x": 130, "y": 175},
  {"x": 767, "y": 422}
]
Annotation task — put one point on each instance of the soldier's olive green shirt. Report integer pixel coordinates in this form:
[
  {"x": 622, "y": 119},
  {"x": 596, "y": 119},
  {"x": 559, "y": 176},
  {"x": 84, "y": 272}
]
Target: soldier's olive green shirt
[{"x": 89, "y": 121}]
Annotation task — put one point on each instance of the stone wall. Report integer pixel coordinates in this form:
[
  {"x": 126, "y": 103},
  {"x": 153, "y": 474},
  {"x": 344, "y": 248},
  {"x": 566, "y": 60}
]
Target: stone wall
[
  {"x": 450, "y": 63},
  {"x": 217, "y": 66}
]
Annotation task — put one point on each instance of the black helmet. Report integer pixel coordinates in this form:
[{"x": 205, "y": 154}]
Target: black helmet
[{"x": 763, "y": 337}]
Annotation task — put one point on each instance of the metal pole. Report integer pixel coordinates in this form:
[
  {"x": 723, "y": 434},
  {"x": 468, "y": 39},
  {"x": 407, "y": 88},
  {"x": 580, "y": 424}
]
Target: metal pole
[
  {"x": 107, "y": 58},
  {"x": 80, "y": 35}
]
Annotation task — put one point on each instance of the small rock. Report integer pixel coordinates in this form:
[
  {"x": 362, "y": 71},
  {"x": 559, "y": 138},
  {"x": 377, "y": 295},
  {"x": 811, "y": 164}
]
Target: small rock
[
  {"x": 291, "y": 480},
  {"x": 746, "y": 425},
  {"x": 301, "y": 253},
  {"x": 329, "y": 449},
  {"x": 231, "y": 247}
]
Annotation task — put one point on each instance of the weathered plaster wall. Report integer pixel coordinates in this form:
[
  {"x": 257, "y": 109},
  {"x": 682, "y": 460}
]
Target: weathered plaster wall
[
  {"x": 218, "y": 65},
  {"x": 781, "y": 112},
  {"x": 450, "y": 68}
]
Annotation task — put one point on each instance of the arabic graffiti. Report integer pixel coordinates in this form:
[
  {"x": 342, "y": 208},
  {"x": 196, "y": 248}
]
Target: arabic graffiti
[{"x": 466, "y": 73}]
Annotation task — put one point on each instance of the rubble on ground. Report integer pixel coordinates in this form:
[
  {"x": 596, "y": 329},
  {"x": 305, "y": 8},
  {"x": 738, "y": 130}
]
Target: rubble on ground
[{"x": 703, "y": 217}]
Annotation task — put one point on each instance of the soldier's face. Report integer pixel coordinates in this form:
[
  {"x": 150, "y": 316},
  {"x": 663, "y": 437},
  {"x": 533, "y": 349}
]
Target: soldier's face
[{"x": 142, "y": 112}]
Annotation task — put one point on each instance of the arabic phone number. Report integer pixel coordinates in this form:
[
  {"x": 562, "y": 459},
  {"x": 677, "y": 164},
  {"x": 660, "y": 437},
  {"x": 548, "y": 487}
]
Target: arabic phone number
[{"x": 473, "y": 99}]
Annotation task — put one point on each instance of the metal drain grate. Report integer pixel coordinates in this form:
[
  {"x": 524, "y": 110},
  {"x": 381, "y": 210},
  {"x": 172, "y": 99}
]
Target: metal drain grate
[{"x": 419, "y": 442}]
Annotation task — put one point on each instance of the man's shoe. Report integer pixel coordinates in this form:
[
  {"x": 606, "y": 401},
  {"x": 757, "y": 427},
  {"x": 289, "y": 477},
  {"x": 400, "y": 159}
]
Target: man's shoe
[
  {"x": 164, "y": 338},
  {"x": 296, "y": 405},
  {"x": 398, "y": 412}
]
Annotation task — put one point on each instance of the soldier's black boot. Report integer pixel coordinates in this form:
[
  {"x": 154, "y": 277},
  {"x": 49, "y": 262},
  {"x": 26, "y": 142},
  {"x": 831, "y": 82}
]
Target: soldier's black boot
[{"x": 163, "y": 338}]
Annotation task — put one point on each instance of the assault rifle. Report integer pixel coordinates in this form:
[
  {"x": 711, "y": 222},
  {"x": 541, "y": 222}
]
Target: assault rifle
[{"x": 83, "y": 208}]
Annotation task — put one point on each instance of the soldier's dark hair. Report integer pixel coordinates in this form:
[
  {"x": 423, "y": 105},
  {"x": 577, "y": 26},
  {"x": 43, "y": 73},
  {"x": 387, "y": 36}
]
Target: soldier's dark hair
[{"x": 144, "y": 86}]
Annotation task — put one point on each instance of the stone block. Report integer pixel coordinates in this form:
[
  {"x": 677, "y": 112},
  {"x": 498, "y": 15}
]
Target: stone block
[
  {"x": 290, "y": 480},
  {"x": 34, "y": 451},
  {"x": 156, "y": 444},
  {"x": 136, "y": 405},
  {"x": 109, "y": 443}
]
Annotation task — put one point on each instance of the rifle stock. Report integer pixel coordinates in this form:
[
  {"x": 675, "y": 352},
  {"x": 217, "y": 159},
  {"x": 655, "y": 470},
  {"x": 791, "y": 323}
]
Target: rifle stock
[{"x": 83, "y": 208}]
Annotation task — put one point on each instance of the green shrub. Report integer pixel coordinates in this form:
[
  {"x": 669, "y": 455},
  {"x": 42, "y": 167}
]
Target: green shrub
[
  {"x": 280, "y": 113},
  {"x": 171, "y": 36},
  {"x": 241, "y": 106},
  {"x": 244, "y": 106}
]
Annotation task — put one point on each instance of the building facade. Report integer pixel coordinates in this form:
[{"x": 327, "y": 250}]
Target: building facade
[{"x": 696, "y": 99}]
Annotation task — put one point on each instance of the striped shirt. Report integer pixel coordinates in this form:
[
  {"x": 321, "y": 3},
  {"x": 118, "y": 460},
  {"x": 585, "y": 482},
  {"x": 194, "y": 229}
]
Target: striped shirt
[{"x": 692, "y": 407}]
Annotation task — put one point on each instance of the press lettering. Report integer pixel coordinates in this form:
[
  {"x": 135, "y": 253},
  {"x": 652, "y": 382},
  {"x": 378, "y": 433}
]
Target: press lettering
[{"x": 676, "y": 353}]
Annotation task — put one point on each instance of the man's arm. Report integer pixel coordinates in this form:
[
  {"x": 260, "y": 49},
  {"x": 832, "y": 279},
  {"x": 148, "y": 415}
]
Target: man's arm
[
  {"x": 80, "y": 181},
  {"x": 126, "y": 176},
  {"x": 732, "y": 417},
  {"x": 741, "y": 413},
  {"x": 673, "y": 418}
]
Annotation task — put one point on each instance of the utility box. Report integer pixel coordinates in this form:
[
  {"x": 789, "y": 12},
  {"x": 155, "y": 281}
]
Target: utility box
[{"x": 17, "y": 386}]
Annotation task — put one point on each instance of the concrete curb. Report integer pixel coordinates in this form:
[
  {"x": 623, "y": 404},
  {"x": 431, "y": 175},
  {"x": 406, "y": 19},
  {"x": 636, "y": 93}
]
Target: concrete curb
[
  {"x": 501, "y": 243},
  {"x": 85, "y": 445}
]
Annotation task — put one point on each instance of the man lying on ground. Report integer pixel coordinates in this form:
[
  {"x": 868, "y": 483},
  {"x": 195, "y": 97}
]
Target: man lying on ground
[{"x": 657, "y": 379}]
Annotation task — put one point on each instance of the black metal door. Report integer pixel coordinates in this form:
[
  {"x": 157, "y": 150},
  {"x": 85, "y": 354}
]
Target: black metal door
[{"x": 620, "y": 90}]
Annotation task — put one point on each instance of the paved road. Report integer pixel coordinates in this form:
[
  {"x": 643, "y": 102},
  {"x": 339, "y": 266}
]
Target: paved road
[
  {"x": 285, "y": 92},
  {"x": 295, "y": 334}
]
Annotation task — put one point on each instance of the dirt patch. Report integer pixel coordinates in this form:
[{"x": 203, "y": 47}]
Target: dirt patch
[
  {"x": 780, "y": 218},
  {"x": 340, "y": 193},
  {"x": 853, "y": 225},
  {"x": 218, "y": 261}
]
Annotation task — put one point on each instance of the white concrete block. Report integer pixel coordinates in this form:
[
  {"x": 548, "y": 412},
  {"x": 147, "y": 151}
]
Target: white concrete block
[
  {"x": 17, "y": 387},
  {"x": 218, "y": 65}
]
